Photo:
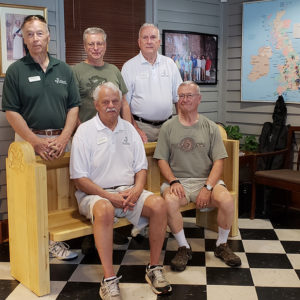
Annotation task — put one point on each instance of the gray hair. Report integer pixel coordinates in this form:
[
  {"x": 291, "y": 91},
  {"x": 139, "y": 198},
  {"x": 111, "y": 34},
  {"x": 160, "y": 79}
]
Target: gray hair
[
  {"x": 94, "y": 30},
  {"x": 148, "y": 25},
  {"x": 108, "y": 85},
  {"x": 189, "y": 82}
]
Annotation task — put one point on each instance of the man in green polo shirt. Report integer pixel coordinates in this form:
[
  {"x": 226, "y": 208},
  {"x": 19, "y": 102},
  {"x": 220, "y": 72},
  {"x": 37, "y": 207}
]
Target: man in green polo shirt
[{"x": 41, "y": 101}]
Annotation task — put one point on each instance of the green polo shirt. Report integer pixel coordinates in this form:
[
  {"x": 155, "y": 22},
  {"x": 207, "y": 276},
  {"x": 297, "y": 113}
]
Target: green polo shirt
[{"x": 42, "y": 98}]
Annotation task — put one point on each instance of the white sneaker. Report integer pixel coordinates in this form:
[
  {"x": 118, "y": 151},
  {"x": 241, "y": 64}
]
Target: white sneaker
[
  {"x": 109, "y": 290},
  {"x": 60, "y": 250}
]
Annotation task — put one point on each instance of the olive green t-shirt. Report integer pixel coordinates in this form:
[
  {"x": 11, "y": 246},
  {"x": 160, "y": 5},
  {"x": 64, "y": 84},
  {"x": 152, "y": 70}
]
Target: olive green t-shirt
[
  {"x": 41, "y": 98},
  {"x": 88, "y": 77},
  {"x": 190, "y": 150}
]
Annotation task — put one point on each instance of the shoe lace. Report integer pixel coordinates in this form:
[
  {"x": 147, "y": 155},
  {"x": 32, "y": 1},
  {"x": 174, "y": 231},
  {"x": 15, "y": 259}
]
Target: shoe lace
[
  {"x": 158, "y": 274},
  {"x": 60, "y": 248},
  {"x": 112, "y": 286}
]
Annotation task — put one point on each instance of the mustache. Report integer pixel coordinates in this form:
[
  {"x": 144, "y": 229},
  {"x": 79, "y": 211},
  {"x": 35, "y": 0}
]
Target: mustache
[{"x": 110, "y": 110}]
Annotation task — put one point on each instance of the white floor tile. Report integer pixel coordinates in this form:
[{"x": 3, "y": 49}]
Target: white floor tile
[
  {"x": 136, "y": 291},
  {"x": 139, "y": 257},
  {"x": 191, "y": 275},
  {"x": 260, "y": 246},
  {"x": 295, "y": 260},
  {"x": 89, "y": 273},
  {"x": 212, "y": 261},
  {"x": 275, "y": 277},
  {"x": 288, "y": 234},
  {"x": 21, "y": 292},
  {"x": 230, "y": 292},
  {"x": 5, "y": 271},
  {"x": 255, "y": 224}
]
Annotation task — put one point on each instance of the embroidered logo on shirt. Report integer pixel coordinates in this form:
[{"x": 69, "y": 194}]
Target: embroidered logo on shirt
[
  {"x": 125, "y": 141},
  {"x": 60, "y": 81}
]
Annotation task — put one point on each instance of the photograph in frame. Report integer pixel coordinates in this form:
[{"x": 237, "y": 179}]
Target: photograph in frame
[
  {"x": 195, "y": 54},
  {"x": 11, "y": 19}
]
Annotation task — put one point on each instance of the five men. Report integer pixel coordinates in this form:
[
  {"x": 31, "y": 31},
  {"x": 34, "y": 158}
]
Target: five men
[
  {"x": 152, "y": 81},
  {"x": 190, "y": 154},
  {"x": 108, "y": 164},
  {"x": 41, "y": 101}
]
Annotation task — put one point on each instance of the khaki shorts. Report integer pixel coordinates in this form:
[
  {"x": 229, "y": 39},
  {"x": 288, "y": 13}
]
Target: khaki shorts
[
  {"x": 150, "y": 130},
  {"x": 192, "y": 187},
  {"x": 87, "y": 203}
]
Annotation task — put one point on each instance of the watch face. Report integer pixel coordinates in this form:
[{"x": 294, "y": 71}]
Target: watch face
[{"x": 209, "y": 187}]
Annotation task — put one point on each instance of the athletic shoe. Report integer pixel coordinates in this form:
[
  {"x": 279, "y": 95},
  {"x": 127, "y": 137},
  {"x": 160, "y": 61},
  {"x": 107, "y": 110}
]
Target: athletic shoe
[
  {"x": 225, "y": 253},
  {"x": 109, "y": 290},
  {"x": 180, "y": 260},
  {"x": 155, "y": 277},
  {"x": 60, "y": 250}
]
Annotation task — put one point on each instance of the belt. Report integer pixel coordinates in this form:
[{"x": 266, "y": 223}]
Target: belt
[
  {"x": 48, "y": 132},
  {"x": 114, "y": 187},
  {"x": 154, "y": 123}
]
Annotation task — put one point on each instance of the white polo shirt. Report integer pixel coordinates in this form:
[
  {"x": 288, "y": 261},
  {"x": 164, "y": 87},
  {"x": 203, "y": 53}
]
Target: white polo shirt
[
  {"x": 108, "y": 158},
  {"x": 152, "y": 89}
]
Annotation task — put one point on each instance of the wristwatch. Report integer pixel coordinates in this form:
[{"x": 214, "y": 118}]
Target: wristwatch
[{"x": 208, "y": 187}]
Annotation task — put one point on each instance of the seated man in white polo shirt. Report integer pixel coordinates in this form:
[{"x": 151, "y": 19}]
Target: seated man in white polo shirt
[{"x": 108, "y": 164}]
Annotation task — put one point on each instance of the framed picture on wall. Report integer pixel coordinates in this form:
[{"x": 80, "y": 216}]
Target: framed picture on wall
[
  {"x": 195, "y": 54},
  {"x": 11, "y": 19}
]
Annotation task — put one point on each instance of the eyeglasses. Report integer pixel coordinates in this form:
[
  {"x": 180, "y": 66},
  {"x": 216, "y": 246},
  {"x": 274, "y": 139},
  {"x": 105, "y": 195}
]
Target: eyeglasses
[
  {"x": 98, "y": 44},
  {"x": 187, "y": 96}
]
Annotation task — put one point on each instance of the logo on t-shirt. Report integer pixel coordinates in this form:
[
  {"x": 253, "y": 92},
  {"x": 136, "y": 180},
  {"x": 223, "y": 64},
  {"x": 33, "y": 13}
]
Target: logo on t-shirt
[
  {"x": 188, "y": 144},
  {"x": 94, "y": 81},
  {"x": 60, "y": 81},
  {"x": 125, "y": 141}
]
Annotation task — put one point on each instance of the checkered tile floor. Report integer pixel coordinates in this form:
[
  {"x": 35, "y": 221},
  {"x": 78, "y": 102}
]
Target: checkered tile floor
[{"x": 269, "y": 250}]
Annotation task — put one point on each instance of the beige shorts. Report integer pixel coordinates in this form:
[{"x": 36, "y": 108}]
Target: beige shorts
[
  {"x": 87, "y": 203},
  {"x": 192, "y": 187}
]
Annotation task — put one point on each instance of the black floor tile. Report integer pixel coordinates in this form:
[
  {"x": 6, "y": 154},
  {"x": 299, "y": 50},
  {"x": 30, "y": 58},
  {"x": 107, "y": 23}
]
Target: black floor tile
[
  {"x": 80, "y": 291},
  {"x": 258, "y": 234},
  {"x": 235, "y": 245},
  {"x": 277, "y": 293},
  {"x": 132, "y": 274},
  {"x": 268, "y": 260},
  {"x": 4, "y": 252},
  {"x": 291, "y": 246},
  {"x": 298, "y": 273},
  {"x": 198, "y": 258},
  {"x": 6, "y": 287},
  {"x": 290, "y": 220},
  {"x": 93, "y": 259},
  {"x": 185, "y": 292},
  {"x": 228, "y": 276},
  {"x": 61, "y": 272}
]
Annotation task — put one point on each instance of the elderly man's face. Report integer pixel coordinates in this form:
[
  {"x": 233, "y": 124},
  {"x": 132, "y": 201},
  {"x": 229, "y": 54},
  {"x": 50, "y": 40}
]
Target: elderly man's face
[
  {"x": 189, "y": 98},
  {"x": 36, "y": 37},
  {"x": 149, "y": 41},
  {"x": 95, "y": 46},
  {"x": 108, "y": 104}
]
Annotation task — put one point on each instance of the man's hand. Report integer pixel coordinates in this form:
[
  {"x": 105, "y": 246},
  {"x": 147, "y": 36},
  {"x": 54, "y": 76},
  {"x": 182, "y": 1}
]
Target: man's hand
[
  {"x": 41, "y": 147},
  {"x": 203, "y": 198},
  {"x": 57, "y": 146},
  {"x": 131, "y": 195},
  {"x": 178, "y": 190}
]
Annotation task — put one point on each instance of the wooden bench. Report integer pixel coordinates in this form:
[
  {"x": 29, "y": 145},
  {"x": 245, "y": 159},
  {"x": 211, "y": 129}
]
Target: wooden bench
[{"x": 41, "y": 203}]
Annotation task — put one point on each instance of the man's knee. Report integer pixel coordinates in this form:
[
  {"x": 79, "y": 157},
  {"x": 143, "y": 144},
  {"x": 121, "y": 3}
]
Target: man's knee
[
  {"x": 157, "y": 204},
  {"x": 224, "y": 200},
  {"x": 103, "y": 211},
  {"x": 172, "y": 201}
]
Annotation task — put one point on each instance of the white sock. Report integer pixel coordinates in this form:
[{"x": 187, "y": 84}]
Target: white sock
[
  {"x": 223, "y": 236},
  {"x": 180, "y": 238},
  {"x": 110, "y": 278}
]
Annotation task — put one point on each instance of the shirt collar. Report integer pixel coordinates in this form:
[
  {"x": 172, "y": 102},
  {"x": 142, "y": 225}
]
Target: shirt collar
[
  {"x": 100, "y": 126},
  {"x": 144, "y": 61},
  {"x": 28, "y": 60}
]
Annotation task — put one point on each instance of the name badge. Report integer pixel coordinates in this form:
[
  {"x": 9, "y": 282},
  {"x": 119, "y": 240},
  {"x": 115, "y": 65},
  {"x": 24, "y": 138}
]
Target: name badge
[
  {"x": 101, "y": 140},
  {"x": 34, "y": 78}
]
